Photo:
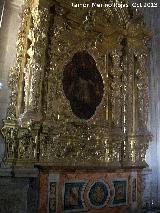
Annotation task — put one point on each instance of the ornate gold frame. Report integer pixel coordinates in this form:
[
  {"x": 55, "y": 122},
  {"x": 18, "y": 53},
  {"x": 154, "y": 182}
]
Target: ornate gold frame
[{"x": 40, "y": 126}]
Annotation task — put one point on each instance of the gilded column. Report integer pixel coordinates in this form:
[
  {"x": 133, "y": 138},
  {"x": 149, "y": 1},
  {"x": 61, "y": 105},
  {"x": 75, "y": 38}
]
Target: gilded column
[
  {"x": 35, "y": 66},
  {"x": 16, "y": 72},
  {"x": 116, "y": 130},
  {"x": 131, "y": 120}
]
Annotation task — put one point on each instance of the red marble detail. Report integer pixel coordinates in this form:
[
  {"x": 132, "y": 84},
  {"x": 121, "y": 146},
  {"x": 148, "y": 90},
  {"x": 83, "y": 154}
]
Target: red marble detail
[
  {"x": 139, "y": 188},
  {"x": 90, "y": 177},
  {"x": 43, "y": 193}
]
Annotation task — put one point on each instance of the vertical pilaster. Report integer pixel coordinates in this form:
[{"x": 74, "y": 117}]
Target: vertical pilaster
[
  {"x": 43, "y": 192},
  {"x": 34, "y": 71}
]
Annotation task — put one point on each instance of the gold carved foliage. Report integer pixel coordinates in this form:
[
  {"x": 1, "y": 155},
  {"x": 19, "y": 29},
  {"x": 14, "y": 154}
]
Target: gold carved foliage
[
  {"x": 142, "y": 89},
  {"x": 35, "y": 65},
  {"x": 116, "y": 87},
  {"x": 21, "y": 143},
  {"x": 49, "y": 131},
  {"x": 138, "y": 35},
  {"x": 64, "y": 45},
  {"x": 77, "y": 144},
  {"x": 15, "y": 72}
]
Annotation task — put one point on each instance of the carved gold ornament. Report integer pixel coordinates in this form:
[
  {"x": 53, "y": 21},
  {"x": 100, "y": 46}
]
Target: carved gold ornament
[{"x": 41, "y": 126}]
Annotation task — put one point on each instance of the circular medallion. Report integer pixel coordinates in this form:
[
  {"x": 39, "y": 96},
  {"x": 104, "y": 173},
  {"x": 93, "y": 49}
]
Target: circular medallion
[{"x": 98, "y": 194}]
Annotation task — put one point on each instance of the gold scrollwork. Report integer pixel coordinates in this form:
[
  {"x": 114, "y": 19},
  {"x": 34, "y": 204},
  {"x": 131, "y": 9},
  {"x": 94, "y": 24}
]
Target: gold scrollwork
[{"x": 40, "y": 125}]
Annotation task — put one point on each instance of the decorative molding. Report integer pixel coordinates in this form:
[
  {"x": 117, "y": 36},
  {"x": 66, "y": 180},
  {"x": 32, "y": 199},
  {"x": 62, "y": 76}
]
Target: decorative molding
[
  {"x": 120, "y": 192},
  {"x": 7, "y": 172},
  {"x": 73, "y": 196},
  {"x": 41, "y": 126},
  {"x": 98, "y": 194}
]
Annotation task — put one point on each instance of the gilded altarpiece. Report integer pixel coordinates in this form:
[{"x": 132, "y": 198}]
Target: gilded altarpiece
[{"x": 100, "y": 121}]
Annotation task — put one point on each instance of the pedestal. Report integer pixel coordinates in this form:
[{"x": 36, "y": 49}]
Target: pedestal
[
  {"x": 84, "y": 189},
  {"x": 19, "y": 190}
]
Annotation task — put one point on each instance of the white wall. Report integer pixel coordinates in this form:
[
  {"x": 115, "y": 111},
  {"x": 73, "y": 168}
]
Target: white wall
[
  {"x": 8, "y": 33},
  {"x": 152, "y": 20}
]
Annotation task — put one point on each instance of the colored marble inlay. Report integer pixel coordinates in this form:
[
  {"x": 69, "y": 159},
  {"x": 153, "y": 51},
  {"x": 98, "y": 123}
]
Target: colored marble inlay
[
  {"x": 120, "y": 192},
  {"x": 73, "y": 196},
  {"x": 98, "y": 194},
  {"x": 52, "y": 197}
]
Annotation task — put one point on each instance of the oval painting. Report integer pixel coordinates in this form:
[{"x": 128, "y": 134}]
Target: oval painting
[{"x": 83, "y": 85}]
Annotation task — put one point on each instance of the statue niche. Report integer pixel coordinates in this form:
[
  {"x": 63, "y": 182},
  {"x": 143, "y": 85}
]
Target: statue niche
[{"x": 83, "y": 85}]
